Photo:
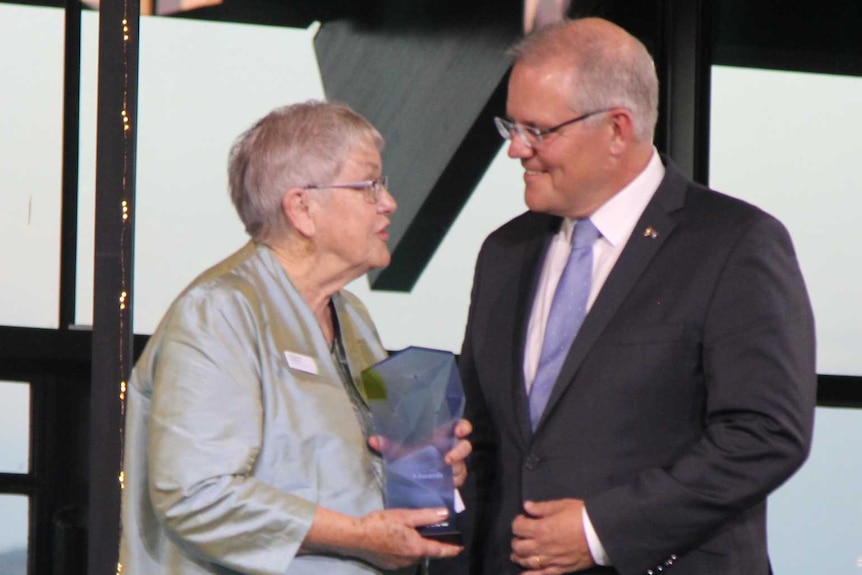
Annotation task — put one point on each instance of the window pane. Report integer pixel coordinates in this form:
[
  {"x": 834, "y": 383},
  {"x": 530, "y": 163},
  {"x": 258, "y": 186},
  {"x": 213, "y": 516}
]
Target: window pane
[
  {"x": 201, "y": 84},
  {"x": 815, "y": 520},
  {"x": 785, "y": 142},
  {"x": 14, "y": 510},
  {"x": 14, "y": 427},
  {"x": 31, "y": 109}
]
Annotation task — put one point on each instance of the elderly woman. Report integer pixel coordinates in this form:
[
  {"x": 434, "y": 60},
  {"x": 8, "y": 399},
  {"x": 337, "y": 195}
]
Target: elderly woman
[{"x": 247, "y": 439}]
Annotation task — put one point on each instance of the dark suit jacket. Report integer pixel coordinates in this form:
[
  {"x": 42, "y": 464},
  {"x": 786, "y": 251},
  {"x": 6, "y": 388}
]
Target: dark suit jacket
[{"x": 686, "y": 398}]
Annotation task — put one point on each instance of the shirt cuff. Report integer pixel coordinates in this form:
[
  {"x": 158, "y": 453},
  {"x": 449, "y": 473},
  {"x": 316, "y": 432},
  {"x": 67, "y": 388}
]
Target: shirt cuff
[{"x": 597, "y": 550}]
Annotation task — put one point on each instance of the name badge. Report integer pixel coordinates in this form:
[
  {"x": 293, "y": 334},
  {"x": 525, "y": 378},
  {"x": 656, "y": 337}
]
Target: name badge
[{"x": 301, "y": 362}]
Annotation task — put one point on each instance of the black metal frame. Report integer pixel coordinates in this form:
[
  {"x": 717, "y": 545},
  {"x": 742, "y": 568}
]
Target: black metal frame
[
  {"x": 58, "y": 459},
  {"x": 113, "y": 341},
  {"x": 684, "y": 61},
  {"x": 69, "y": 200}
]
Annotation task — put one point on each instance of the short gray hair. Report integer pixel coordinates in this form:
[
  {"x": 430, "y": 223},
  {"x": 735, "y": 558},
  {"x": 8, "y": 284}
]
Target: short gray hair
[
  {"x": 612, "y": 68},
  {"x": 293, "y": 146}
]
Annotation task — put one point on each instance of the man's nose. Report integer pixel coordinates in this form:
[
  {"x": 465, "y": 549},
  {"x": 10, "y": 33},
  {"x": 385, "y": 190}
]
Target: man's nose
[{"x": 518, "y": 148}]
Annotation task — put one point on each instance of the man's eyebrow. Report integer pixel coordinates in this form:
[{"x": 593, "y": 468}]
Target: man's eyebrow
[{"x": 524, "y": 124}]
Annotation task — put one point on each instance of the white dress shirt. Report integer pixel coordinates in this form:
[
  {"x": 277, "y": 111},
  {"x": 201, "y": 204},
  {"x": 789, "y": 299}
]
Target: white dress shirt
[{"x": 615, "y": 220}]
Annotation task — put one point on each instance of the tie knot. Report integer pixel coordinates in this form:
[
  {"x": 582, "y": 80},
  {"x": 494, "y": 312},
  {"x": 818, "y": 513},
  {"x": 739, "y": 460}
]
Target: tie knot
[{"x": 584, "y": 235}]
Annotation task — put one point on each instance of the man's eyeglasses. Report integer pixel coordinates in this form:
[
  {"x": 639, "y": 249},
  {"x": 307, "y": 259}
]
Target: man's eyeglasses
[
  {"x": 371, "y": 188},
  {"x": 534, "y": 137}
]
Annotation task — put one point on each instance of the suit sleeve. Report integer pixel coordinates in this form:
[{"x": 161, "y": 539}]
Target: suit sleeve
[
  {"x": 205, "y": 435},
  {"x": 759, "y": 371},
  {"x": 482, "y": 461}
]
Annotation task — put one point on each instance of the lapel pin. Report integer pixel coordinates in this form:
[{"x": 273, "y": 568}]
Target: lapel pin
[{"x": 650, "y": 233}]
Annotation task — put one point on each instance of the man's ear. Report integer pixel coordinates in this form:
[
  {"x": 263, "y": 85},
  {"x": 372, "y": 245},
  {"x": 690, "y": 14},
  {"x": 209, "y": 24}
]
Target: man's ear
[
  {"x": 623, "y": 128},
  {"x": 298, "y": 211}
]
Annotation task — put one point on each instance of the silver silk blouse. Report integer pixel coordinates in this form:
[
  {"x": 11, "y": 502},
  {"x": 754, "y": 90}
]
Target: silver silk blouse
[{"x": 238, "y": 425}]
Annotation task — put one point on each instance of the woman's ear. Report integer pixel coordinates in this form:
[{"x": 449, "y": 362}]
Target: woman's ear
[{"x": 298, "y": 211}]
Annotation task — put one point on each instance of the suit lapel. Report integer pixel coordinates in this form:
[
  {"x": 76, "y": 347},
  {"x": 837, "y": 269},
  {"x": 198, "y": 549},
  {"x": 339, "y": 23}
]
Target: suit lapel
[
  {"x": 652, "y": 230},
  {"x": 530, "y": 263}
]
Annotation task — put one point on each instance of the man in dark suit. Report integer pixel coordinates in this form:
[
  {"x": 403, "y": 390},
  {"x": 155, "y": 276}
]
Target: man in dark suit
[{"x": 687, "y": 394}]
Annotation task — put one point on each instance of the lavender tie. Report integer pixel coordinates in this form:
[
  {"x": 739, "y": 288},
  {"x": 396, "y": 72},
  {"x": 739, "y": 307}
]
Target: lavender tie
[{"x": 568, "y": 309}]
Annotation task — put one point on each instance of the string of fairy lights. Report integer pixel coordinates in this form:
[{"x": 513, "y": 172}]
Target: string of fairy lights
[{"x": 124, "y": 232}]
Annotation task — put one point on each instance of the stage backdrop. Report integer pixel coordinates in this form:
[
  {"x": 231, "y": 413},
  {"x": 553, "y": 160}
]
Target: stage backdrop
[{"x": 784, "y": 141}]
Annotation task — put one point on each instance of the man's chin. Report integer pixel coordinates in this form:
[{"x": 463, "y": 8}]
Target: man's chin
[{"x": 536, "y": 202}]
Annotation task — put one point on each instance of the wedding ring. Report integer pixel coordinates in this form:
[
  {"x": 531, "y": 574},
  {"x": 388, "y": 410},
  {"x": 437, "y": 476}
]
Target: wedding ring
[{"x": 537, "y": 561}]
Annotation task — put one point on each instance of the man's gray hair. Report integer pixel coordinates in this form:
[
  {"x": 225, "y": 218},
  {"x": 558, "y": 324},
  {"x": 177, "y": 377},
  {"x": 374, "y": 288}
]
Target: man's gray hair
[
  {"x": 611, "y": 68},
  {"x": 293, "y": 146}
]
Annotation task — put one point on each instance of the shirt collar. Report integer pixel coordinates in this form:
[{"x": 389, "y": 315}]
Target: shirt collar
[{"x": 617, "y": 217}]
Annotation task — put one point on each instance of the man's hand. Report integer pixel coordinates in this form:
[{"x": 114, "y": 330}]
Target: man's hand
[
  {"x": 459, "y": 453},
  {"x": 454, "y": 457},
  {"x": 549, "y": 538}
]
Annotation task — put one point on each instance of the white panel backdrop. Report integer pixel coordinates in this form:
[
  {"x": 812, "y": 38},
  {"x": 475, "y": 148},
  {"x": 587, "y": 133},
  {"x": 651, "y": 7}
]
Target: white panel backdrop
[
  {"x": 201, "y": 85},
  {"x": 31, "y": 137},
  {"x": 789, "y": 143}
]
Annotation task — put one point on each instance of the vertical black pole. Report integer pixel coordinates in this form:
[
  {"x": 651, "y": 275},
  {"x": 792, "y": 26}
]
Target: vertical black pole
[
  {"x": 685, "y": 72},
  {"x": 71, "y": 135},
  {"x": 112, "y": 305}
]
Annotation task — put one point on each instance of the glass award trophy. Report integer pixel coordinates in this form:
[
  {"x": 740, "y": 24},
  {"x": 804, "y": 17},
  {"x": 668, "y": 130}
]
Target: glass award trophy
[{"x": 416, "y": 400}]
